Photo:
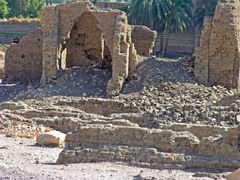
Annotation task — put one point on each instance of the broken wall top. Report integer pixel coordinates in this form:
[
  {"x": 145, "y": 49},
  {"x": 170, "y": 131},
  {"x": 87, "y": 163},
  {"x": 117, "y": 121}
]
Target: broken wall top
[{"x": 60, "y": 19}]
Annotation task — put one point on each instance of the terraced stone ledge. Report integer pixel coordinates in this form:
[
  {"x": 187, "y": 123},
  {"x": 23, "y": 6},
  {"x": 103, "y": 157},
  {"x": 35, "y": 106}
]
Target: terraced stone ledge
[
  {"x": 153, "y": 148},
  {"x": 144, "y": 157}
]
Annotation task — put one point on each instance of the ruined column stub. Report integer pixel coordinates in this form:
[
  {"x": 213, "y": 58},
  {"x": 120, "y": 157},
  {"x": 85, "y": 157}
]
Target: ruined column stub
[
  {"x": 78, "y": 34},
  {"x": 217, "y": 58}
]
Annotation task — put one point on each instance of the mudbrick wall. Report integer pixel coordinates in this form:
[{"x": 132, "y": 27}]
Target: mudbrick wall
[
  {"x": 217, "y": 58},
  {"x": 24, "y": 61},
  {"x": 58, "y": 22},
  {"x": 77, "y": 34},
  {"x": 11, "y": 30}
]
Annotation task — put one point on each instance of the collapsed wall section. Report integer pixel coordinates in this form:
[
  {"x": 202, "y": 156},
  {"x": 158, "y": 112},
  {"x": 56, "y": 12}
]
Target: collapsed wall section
[
  {"x": 23, "y": 61},
  {"x": 143, "y": 39},
  {"x": 217, "y": 58}
]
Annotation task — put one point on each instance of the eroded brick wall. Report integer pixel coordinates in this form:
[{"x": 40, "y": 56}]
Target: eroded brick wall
[
  {"x": 217, "y": 59},
  {"x": 102, "y": 30},
  {"x": 77, "y": 34},
  {"x": 23, "y": 61}
]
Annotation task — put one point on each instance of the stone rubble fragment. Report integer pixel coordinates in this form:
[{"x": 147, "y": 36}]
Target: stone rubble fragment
[{"x": 51, "y": 138}]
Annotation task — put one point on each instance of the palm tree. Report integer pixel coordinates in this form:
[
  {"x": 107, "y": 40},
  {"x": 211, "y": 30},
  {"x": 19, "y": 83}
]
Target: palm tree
[
  {"x": 179, "y": 19},
  {"x": 48, "y": 2},
  {"x": 164, "y": 16},
  {"x": 152, "y": 13},
  {"x": 207, "y": 10},
  {"x": 206, "y": 5}
]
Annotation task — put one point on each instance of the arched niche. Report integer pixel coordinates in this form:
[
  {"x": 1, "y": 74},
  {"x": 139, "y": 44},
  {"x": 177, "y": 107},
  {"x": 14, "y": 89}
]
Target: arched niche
[{"x": 85, "y": 44}]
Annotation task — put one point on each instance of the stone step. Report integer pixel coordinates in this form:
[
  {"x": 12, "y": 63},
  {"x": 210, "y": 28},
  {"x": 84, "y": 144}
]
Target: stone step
[
  {"x": 162, "y": 140},
  {"x": 99, "y": 106}
]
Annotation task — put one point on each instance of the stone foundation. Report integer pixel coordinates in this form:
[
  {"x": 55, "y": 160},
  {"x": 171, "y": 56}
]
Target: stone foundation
[{"x": 152, "y": 148}]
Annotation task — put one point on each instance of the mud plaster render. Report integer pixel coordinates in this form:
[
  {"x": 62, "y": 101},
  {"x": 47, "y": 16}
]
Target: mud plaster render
[
  {"x": 77, "y": 34},
  {"x": 217, "y": 58}
]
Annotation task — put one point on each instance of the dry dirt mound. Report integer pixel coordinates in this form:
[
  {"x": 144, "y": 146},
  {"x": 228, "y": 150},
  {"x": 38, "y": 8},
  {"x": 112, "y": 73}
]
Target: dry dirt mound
[{"x": 163, "y": 119}]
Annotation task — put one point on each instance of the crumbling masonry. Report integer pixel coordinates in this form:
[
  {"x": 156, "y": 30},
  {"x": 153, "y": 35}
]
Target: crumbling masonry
[
  {"x": 218, "y": 57},
  {"x": 78, "y": 34}
]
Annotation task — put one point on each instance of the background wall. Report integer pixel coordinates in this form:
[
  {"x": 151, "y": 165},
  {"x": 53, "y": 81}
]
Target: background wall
[{"x": 10, "y": 30}]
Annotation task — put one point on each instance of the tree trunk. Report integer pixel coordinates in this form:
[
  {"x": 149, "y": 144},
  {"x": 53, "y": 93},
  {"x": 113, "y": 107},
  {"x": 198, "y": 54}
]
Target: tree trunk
[
  {"x": 207, "y": 7},
  {"x": 48, "y": 2},
  {"x": 165, "y": 41}
]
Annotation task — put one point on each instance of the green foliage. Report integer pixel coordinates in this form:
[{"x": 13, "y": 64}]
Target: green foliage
[
  {"x": 25, "y": 8},
  {"x": 3, "y": 8},
  {"x": 34, "y": 8},
  {"x": 174, "y": 15},
  {"x": 201, "y": 12},
  {"x": 165, "y": 59},
  {"x": 164, "y": 16},
  {"x": 94, "y": 1}
]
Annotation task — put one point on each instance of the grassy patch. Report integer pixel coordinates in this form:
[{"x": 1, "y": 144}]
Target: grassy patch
[
  {"x": 165, "y": 59},
  {"x": 21, "y": 20}
]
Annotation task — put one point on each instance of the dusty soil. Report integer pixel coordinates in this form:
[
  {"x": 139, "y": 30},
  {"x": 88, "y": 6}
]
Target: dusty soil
[{"x": 22, "y": 159}]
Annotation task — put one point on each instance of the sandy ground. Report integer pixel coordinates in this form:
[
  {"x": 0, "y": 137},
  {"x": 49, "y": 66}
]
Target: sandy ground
[{"x": 22, "y": 159}]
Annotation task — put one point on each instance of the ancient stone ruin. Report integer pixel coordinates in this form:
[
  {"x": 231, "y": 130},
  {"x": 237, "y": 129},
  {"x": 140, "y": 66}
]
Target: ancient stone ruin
[
  {"x": 217, "y": 58},
  {"x": 163, "y": 120},
  {"x": 78, "y": 34}
]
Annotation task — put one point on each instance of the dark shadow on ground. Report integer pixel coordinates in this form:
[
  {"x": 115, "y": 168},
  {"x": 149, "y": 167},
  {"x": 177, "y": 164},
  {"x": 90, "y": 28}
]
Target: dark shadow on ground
[{"x": 8, "y": 90}]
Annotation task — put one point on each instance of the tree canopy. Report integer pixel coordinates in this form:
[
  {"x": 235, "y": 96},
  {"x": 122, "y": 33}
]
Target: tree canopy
[
  {"x": 176, "y": 15},
  {"x": 208, "y": 9},
  {"x": 164, "y": 16},
  {"x": 21, "y": 8},
  {"x": 3, "y": 8}
]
